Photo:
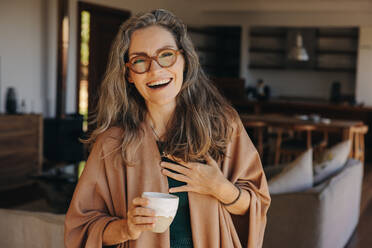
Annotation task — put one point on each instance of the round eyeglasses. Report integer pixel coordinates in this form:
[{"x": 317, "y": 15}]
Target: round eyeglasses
[{"x": 142, "y": 63}]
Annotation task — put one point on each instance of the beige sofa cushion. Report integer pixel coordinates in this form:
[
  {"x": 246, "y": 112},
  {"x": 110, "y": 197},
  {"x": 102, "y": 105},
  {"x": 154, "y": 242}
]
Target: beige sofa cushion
[
  {"x": 31, "y": 229},
  {"x": 296, "y": 176},
  {"x": 332, "y": 160}
]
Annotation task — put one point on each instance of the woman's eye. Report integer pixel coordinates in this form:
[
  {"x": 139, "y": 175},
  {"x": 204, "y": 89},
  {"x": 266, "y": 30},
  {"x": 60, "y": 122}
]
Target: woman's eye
[
  {"x": 136, "y": 61},
  {"x": 167, "y": 54}
]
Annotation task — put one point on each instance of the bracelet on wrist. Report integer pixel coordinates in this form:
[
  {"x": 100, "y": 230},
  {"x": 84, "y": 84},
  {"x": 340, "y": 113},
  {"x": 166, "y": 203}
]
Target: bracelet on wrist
[{"x": 237, "y": 198}]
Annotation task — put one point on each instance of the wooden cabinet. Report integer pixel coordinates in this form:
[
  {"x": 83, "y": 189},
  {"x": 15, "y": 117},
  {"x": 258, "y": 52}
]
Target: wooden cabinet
[{"x": 21, "y": 149}]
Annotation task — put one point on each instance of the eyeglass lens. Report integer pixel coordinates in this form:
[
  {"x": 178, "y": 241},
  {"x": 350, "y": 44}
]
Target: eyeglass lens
[{"x": 142, "y": 63}]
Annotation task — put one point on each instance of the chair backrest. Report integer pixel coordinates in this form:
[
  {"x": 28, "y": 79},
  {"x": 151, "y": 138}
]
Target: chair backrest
[
  {"x": 358, "y": 133},
  {"x": 253, "y": 124},
  {"x": 363, "y": 129},
  {"x": 305, "y": 128}
]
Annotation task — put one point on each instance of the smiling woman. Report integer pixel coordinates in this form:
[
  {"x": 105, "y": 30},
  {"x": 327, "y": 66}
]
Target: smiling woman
[{"x": 163, "y": 127}]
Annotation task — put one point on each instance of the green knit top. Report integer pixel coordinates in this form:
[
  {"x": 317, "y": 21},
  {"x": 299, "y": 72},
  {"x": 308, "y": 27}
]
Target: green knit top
[{"x": 180, "y": 229}]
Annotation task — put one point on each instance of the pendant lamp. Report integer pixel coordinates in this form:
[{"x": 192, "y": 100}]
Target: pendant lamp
[{"x": 298, "y": 52}]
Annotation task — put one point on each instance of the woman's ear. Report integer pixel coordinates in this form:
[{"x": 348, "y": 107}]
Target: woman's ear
[{"x": 129, "y": 78}]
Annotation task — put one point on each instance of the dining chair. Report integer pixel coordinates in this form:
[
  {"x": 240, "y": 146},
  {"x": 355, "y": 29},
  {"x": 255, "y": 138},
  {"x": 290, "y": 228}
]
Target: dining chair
[
  {"x": 287, "y": 150},
  {"x": 257, "y": 136},
  {"x": 358, "y": 150}
]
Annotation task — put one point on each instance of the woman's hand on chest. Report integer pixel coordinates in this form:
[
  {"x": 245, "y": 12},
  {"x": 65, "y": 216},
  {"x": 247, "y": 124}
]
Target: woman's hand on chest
[{"x": 200, "y": 178}]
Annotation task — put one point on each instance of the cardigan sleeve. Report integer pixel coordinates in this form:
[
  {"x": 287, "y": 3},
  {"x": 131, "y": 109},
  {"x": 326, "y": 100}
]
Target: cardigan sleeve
[
  {"x": 91, "y": 208},
  {"x": 243, "y": 168}
]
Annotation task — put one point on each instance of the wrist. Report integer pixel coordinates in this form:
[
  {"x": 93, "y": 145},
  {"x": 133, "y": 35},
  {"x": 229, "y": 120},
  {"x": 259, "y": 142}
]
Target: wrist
[
  {"x": 228, "y": 192},
  {"x": 125, "y": 230},
  {"x": 115, "y": 232},
  {"x": 236, "y": 198},
  {"x": 218, "y": 188}
]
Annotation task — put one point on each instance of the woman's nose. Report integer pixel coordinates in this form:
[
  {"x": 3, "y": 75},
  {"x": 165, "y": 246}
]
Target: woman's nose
[{"x": 154, "y": 66}]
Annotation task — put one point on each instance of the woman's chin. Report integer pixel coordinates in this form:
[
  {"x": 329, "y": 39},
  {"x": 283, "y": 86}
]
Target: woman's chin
[{"x": 162, "y": 102}]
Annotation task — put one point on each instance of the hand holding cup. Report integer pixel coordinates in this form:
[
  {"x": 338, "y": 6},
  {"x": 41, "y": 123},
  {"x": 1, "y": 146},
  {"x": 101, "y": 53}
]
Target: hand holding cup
[{"x": 140, "y": 218}]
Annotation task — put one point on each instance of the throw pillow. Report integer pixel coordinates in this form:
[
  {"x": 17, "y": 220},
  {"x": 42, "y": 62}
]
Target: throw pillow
[
  {"x": 296, "y": 176},
  {"x": 332, "y": 161}
]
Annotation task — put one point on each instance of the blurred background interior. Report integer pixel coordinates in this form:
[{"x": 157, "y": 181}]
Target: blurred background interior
[{"x": 298, "y": 72}]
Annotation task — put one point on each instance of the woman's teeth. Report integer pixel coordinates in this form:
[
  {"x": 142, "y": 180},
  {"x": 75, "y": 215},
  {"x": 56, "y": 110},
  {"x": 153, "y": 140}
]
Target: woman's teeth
[{"x": 159, "y": 83}]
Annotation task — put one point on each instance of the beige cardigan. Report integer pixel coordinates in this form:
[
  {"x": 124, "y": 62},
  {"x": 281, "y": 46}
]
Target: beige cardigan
[{"x": 106, "y": 187}]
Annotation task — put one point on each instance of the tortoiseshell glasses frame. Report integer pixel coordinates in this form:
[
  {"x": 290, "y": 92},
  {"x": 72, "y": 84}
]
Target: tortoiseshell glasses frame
[{"x": 165, "y": 58}]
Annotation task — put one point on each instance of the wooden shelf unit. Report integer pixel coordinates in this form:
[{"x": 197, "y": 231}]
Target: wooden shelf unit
[
  {"x": 330, "y": 49},
  {"x": 218, "y": 49}
]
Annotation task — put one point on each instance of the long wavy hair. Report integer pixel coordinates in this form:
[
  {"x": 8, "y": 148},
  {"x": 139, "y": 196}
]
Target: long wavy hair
[{"x": 201, "y": 122}]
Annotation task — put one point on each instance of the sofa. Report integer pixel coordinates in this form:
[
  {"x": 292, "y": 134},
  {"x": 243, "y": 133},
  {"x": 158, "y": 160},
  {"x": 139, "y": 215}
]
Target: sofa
[
  {"x": 20, "y": 228},
  {"x": 323, "y": 216}
]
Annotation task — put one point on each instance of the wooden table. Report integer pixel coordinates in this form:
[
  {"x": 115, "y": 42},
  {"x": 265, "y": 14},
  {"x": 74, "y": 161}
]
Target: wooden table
[
  {"x": 345, "y": 127},
  {"x": 285, "y": 121}
]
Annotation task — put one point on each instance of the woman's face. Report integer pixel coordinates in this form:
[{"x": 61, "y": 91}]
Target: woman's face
[{"x": 169, "y": 80}]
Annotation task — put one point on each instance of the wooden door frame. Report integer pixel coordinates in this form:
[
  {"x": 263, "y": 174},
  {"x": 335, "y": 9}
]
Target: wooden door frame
[
  {"x": 88, "y": 6},
  {"x": 62, "y": 56}
]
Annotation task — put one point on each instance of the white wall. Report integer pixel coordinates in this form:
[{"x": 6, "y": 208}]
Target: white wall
[
  {"x": 302, "y": 83},
  {"x": 364, "y": 78},
  {"x": 244, "y": 53},
  {"x": 50, "y": 35},
  {"x": 22, "y": 51}
]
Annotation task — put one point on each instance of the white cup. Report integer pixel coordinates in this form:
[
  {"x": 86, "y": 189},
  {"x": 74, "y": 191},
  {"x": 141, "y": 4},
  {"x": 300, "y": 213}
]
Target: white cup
[{"x": 165, "y": 206}]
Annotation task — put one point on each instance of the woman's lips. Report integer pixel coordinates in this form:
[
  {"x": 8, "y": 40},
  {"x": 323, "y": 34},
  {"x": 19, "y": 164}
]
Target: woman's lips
[{"x": 159, "y": 84}]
